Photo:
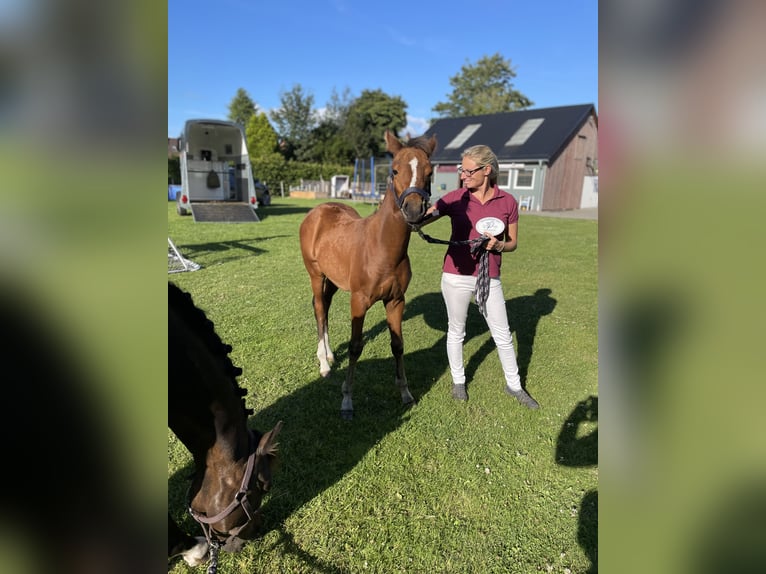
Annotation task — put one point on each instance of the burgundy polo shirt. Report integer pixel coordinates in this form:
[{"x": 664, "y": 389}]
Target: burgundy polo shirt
[{"x": 464, "y": 211}]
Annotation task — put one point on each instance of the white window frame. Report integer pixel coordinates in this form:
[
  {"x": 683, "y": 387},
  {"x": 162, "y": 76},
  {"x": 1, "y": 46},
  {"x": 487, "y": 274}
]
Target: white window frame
[
  {"x": 516, "y": 179},
  {"x": 507, "y": 174}
]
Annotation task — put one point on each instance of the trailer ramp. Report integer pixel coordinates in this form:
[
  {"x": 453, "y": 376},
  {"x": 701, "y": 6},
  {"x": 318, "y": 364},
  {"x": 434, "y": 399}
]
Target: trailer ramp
[{"x": 223, "y": 212}]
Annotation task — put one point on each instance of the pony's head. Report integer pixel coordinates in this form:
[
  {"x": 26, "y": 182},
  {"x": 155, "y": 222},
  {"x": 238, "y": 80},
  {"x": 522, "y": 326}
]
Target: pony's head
[
  {"x": 411, "y": 174},
  {"x": 229, "y": 507}
]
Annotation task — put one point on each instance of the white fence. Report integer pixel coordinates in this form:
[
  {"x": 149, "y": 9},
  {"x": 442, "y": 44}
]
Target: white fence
[{"x": 353, "y": 190}]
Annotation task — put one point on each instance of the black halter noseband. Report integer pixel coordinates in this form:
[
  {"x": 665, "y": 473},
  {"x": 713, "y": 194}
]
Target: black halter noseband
[
  {"x": 240, "y": 499},
  {"x": 425, "y": 194}
]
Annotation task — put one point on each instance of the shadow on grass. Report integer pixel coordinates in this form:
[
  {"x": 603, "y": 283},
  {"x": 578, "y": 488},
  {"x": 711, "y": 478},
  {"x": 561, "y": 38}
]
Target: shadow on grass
[
  {"x": 574, "y": 449},
  {"x": 317, "y": 448},
  {"x": 239, "y": 248},
  {"x": 275, "y": 209},
  {"x": 524, "y": 314}
]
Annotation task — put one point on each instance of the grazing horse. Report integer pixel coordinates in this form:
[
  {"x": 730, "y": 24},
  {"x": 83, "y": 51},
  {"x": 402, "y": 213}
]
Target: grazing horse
[
  {"x": 206, "y": 411},
  {"x": 368, "y": 257}
]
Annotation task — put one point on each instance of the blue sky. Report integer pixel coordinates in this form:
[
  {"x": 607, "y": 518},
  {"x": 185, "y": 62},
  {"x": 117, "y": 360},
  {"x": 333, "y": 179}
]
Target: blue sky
[{"x": 409, "y": 49}]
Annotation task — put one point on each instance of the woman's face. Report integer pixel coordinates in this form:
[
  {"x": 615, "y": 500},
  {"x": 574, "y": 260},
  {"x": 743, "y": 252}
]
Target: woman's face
[{"x": 471, "y": 173}]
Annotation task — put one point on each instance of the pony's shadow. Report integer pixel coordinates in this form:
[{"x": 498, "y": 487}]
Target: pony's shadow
[
  {"x": 317, "y": 448},
  {"x": 235, "y": 249}
]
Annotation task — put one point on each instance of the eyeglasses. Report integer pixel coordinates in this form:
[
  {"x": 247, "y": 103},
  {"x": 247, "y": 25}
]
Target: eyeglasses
[{"x": 469, "y": 172}]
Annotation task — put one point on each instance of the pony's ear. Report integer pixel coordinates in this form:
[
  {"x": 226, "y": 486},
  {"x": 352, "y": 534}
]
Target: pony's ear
[
  {"x": 432, "y": 144},
  {"x": 266, "y": 455},
  {"x": 268, "y": 443},
  {"x": 393, "y": 144}
]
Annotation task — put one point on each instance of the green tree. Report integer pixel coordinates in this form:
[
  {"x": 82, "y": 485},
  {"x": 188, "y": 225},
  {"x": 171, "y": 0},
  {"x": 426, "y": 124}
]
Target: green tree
[
  {"x": 484, "y": 88},
  {"x": 241, "y": 107},
  {"x": 294, "y": 120},
  {"x": 337, "y": 107},
  {"x": 369, "y": 116},
  {"x": 174, "y": 170},
  {"x": 327, "y": 143},
  {"x": 261, "y": 138}
]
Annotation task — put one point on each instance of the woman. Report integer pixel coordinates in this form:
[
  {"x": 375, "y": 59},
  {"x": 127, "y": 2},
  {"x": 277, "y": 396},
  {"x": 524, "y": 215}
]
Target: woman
[{"x": 472, "y": 204}]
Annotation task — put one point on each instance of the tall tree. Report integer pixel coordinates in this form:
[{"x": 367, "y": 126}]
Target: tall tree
[
  {"x": 261, "y": 137},
  {"x": 369, "y": 116},
  {"x": 295, "y": 119},
  {"x": 241, "y": 107},
  {"x": 484, "y": 88},
  {"x": 337, "y": 107},
  {"x": 327, "y": 143}
]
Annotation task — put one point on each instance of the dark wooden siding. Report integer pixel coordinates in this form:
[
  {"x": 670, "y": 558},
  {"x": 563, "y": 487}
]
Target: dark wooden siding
[{"x": 564, "y": 177}]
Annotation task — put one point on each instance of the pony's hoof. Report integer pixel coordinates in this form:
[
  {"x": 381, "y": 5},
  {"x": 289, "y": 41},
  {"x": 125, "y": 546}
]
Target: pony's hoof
[
  {"x": 197, "y": 554},
  {"x": 347, "y": 415},
  {"x": 324, "y": 374}
]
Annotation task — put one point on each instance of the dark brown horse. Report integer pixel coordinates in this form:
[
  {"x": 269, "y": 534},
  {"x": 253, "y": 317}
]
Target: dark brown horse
[
  {"x": 368, "y": 257},
  {"x": 206, "y": 411}
]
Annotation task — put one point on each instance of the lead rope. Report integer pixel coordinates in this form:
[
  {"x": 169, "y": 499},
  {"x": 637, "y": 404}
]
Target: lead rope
[
  {"x": 482, "y": 279},
  {"x": 215, "y": 546}
]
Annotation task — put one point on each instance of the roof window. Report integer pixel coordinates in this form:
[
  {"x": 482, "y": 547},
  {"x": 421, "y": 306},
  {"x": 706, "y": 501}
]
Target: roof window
[
  {"x": 463, "y": 136},
  {"x": 524, "y": 132}
]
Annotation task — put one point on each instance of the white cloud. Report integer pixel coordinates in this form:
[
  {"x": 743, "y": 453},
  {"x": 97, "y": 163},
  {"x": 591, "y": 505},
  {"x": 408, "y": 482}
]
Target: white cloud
[{"x": 416, "y": 126}]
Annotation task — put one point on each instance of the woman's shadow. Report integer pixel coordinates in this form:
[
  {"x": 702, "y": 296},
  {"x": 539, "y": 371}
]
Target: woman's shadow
[{"x": 524, "y": 314}]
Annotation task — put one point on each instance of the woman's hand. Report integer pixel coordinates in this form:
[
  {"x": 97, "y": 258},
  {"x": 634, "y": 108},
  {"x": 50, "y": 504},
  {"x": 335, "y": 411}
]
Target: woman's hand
[
  {"x": 494, "y": 244},
  {"x": 431, "y": 215}
]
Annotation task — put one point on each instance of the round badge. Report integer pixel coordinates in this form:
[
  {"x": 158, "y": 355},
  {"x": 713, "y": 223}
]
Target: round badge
[{"x": 491, "y": 224}]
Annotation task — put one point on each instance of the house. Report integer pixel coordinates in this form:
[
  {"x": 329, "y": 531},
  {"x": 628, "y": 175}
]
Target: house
[{"x": 548, "y": 157}]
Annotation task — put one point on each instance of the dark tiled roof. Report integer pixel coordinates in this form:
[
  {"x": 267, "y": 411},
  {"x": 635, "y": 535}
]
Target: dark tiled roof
[{"x": 495, "y": 130}]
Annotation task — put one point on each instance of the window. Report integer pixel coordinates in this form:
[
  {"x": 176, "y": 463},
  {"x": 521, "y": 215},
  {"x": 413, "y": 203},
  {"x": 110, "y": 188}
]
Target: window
[
  {"x": 525, "y": 179},
  {"x": 524, "y": 132},
  {"x": 463, "y": 136},
  {"x": 503, "y": 178}
]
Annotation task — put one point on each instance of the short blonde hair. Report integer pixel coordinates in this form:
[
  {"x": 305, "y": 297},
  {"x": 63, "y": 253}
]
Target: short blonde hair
[{"x": 483, "y": 156}]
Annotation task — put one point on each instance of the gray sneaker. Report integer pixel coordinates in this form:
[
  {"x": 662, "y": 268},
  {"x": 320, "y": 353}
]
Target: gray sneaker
[
  {"x": 458, "y": 393},
  {"x": 522, "y": 396}
]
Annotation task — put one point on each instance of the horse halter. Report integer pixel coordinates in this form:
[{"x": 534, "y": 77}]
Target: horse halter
[
  {"x": 240, "y": 499},
  {"x": 425, "y": 194}
]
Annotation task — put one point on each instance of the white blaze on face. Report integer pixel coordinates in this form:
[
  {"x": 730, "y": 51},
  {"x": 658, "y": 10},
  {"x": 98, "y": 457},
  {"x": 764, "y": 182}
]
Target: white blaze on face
[{"x": 414, "y": 168}]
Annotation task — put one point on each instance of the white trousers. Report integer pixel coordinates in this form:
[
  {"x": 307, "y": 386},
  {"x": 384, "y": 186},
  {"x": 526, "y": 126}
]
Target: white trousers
[{"x": 458, "y": 290}]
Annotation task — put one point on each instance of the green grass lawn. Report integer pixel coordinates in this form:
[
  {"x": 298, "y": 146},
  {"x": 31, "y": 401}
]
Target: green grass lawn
[{"x": 484, "y": 486}]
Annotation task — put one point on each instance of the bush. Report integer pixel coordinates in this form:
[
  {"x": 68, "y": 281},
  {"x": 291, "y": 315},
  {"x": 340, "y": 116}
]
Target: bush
[{"x": 273, "y": 169}]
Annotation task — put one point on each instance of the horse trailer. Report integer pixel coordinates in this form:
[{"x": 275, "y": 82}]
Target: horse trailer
[{"x": 215, "y": 171}]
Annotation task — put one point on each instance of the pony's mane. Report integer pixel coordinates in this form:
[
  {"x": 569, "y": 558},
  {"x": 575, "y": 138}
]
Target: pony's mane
[
  {"x": 198, "y": 322},
  {"x": 421, "y": 143}
]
